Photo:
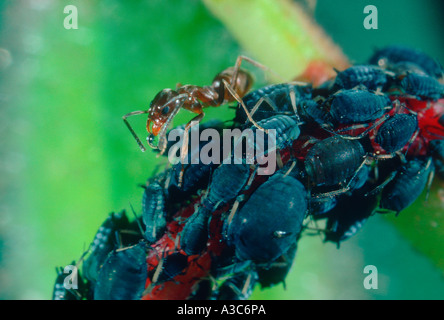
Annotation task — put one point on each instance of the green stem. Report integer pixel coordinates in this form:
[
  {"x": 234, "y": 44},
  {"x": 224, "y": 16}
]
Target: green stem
[{"x": 279, "y": 33}]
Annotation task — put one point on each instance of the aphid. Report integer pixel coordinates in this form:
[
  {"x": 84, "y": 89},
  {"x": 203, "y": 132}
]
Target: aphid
[
  {"x": 153, "y": 211},
  {"x": 439, "y": 167},
  {"x": 358, "y": 106},
  {"x": 371, "y": 77},
  {"x": 172, "y": 265},
  {"x": 407, "y": 185},
  {"x": 271, "y": 275},
  {"x": 227, "y": 181},
  {"x": 229, "y": 85},
  {"x": 422, "y": 87},
  {"x": 334, "y": 161},
  {"x": 437, "y": 149},
  {"x": 282, "y": 130},
  {"x": 311, "y": 110},
  {"x": 349, "y": 216},
  {"x": 60, "y": 292},
  {"x": 319, "y": 206},
  {"x": 123, "y": 274},
  {"x": 104, "y": 242},
  {"x": 278, "y": 205},
  {"x": 396, "y": 132},
  {"x": 389, "y": 57},
  {"x": 272, "y": 100},
  {"x": 226, "y": 264},
  {"x": 238, "y": 287},
  {"x": 202, "y": 290}
]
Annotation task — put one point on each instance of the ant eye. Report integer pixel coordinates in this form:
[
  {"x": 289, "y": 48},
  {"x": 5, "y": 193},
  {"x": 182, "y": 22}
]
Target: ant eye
[{"x": 165, "y": 110}]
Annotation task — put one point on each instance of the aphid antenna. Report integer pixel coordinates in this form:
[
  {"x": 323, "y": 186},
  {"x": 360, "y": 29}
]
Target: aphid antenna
[
  {"x": 137, "y": 221},
  {"x": 429, "y": 178}
]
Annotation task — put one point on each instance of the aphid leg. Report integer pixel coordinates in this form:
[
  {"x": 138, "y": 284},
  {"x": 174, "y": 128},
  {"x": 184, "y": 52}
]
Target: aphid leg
[
  {"x": 290, "y": 169},
  {"x": 155, "y": 277},
  {"x": 429, "y": 179},
  {"x": 411, "y": 140},
  {"x": 246, "y": 285},
  {"x": 346, "y": 188},
  {"x": 141, "y": 146},
  {"x": 363, "y": 134},
  {"x": 236, "y": 204},
  {"x": 382, "y": 185},
  {"x": 184, "y": 151},
  {"x": 251, "y": 179},
  {"x": 236, "y": 96}
]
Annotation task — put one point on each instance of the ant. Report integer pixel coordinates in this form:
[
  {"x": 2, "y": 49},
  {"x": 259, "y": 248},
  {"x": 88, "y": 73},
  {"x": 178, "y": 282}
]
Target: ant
[{"x": 229, "y": 85}]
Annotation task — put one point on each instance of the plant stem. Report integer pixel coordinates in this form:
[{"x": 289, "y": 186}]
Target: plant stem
[{"x": 280, "y": 34}]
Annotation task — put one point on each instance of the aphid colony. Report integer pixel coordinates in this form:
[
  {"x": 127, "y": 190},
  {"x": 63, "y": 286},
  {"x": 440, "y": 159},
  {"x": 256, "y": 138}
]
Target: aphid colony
[{"x": 365, "y": 142}]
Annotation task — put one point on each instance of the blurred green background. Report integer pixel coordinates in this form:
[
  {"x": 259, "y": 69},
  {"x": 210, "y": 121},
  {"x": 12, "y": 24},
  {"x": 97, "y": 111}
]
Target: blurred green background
[{"x": 67, "y": 160}]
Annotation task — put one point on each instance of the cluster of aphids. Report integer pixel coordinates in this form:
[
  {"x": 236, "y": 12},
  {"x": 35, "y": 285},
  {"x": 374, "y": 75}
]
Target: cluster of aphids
[{"x": 367, "y": 141}]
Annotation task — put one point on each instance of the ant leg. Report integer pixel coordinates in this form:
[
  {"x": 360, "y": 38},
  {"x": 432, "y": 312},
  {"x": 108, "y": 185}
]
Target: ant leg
[
  {"x": 131, "y": 129},
  {"x": 236, "y": 96},
  {"x": 254, "y": 63},
  {"x": 184, "y": 150},
  {"x": 259, "y": 103}
]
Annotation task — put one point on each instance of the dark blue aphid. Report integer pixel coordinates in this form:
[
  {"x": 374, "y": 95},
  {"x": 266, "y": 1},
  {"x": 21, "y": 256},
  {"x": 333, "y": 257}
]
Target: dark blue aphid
[
  {"x": 437, "y": 149},
  {"x": 104, "y": 242},
  {"x": 282, "y": 131},
  {"x": 390, "y": 56},
  {"x": 319, "y": 206},
  {"x": 203, "y": 290},
  {"x": 371, "y": 77},
  {"x": 349, "y": 216},
  {"x": 270, "y": 221},
  {"x": 358, "y": 106},
  {"x": 238, "y": 287},
  {"x": 333, "y": 160},
  {"x": 396, "y": 132},
  {"x": 274, "y": 99},
  {"x": 422, "y": 86},
  {"x": 123, "y": 275},
  {"x": 439, "y": 165},
  {"x": 312, "y": 111},
  {"x": 227, "y": 181},
  {"x": 407, "y": 185},
  {"x": 271, "y": 275},
  {"x": 60, "y": 292},
  {"x": 226, "y": 264},
  {"x": 172, "y": 266},
  {"x": 153, "y": 211}
]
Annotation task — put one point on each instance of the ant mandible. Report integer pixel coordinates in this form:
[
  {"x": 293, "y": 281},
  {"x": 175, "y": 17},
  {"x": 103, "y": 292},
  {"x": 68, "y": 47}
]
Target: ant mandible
[{"x": 229, "y": 85}]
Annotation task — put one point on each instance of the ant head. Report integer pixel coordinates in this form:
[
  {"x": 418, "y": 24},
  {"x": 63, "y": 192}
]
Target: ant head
[
  {"x": 161, "y": 108},
  {"x": 242, "y": 83}
]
